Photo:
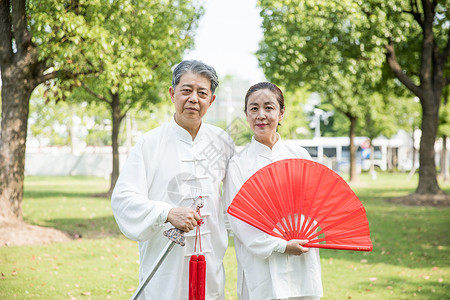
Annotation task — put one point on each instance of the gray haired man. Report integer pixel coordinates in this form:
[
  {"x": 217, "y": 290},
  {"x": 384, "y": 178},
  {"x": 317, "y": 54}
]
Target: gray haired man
[{"x": 168, "y": 168}]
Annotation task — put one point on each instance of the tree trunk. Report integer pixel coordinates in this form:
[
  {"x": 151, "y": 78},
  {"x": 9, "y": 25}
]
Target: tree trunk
[
  {"x": 427, "y": 171},
  {"x": 116, "y": 120},
  {"x": 353, "y": 170},
  {"x": 444, "y": 160},
  {"x": 16, "y": 91}
]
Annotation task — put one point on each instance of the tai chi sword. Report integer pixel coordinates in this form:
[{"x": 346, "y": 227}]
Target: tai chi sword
[{"x": 175, "y": 236}]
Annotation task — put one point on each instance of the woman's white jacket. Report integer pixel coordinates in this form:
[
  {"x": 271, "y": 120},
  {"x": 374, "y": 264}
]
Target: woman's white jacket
[{"x": 264, "y": 271}]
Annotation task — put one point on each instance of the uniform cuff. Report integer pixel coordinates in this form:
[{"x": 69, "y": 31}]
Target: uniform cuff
[
  {"x": 281, "y": 247},
  {"x": 162, "y": 219}
]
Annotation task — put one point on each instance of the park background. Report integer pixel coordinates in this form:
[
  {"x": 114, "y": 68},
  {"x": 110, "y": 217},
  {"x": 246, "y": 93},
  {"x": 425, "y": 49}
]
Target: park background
[{"x": 98, "y": 79}]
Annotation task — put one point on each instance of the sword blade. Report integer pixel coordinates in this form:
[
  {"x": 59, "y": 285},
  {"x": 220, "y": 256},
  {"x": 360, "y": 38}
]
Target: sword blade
[{"x": 153, "y": 269}]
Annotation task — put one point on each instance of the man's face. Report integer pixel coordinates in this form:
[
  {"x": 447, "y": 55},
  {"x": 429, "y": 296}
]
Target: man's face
[{"x": 192, "y": 98}]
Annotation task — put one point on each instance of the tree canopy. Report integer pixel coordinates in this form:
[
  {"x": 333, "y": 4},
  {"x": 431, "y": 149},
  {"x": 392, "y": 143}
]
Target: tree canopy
[
  {"x": 345, "y": 47},
  {"x": 118, "y": 51},
  {"x": 141, "y": 41}
]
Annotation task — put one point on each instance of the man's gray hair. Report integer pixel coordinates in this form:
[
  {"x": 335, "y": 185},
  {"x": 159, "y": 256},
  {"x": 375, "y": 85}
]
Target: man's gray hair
[{"x": 196, "y": 67}]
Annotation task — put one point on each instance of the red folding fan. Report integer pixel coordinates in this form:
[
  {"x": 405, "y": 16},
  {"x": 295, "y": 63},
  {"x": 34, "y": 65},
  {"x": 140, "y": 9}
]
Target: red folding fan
[{"x": 302, "y": 199}]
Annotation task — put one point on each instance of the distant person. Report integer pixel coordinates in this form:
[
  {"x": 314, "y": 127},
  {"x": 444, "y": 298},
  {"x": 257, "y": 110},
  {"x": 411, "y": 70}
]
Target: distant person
[
  {"x": 268, "y": 267},
  {"x": 167, "y": 169}
]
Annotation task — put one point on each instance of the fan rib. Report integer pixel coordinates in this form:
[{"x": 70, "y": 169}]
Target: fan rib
[
  {"x": 297, "y": 199},
  {"x": 265, "y": 214},
  {"x": 318, "y": 208},
  {"x": 340, "y": 221},
  {"x": 330, "y": 211},
  {"x": 309, "y": 221},
  {"x": 282, "y": 204},
  {"x": 271, "y": 207}
]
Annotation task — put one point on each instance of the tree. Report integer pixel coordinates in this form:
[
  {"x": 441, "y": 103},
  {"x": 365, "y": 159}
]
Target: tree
[
  {"x": 304, "y": 44},
  {"x": 23, "y": 68},
  {"x": 59, "y": 43},
  {"x": 411, "y": 37},
  {"x": 141, "y": 42},
  {"x": 428, "y": 45}
]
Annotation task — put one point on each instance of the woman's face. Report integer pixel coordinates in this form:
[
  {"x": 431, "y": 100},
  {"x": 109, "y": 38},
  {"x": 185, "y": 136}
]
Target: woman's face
[{"x": 263, "y": 114}]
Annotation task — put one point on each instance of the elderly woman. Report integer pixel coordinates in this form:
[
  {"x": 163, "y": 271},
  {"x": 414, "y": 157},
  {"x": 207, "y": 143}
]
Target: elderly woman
[{"x": 268, "y": 267}]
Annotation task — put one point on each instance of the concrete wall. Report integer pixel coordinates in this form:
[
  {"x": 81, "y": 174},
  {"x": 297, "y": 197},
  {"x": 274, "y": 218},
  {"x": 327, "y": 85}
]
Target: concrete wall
[{"x": 60, "y": 161}]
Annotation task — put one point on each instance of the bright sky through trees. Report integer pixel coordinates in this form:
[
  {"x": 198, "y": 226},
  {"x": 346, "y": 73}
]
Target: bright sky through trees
[{"x": 228, "y": 37}]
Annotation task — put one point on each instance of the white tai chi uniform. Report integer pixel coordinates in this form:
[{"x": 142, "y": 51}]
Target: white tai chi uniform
[
  {"x": 167, "y": 169},
  {"x": 264, "y": 271}
]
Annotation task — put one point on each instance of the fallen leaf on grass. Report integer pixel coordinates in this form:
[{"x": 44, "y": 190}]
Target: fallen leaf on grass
[
  {"x": 14, "y": 273},
  {"x": 372, "y": 278},
  {"x": 363, "y": 261},
  {"x": 435, "y": 268},
  {"x": 86, "y": 293},
  {"x": 440, "y": 280}
]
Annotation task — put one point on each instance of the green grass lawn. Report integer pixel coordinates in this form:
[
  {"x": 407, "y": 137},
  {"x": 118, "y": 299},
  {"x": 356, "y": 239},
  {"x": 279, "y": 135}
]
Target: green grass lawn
[{"x": 410, "y": 259}]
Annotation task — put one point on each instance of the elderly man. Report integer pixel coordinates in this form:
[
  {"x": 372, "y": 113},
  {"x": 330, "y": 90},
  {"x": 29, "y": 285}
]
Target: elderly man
[{"x": 167, "y": 169}]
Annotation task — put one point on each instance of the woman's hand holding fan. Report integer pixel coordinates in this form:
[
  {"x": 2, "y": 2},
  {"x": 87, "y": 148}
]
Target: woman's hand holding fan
[{"x": 295, "y": 247}]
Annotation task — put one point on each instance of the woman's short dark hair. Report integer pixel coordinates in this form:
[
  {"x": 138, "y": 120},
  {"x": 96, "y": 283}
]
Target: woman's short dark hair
[
  {"x": 196, "y": 67},
  {"x": 265, "y": 86}
]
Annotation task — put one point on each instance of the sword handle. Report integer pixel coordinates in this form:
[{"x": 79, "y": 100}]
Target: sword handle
[{"x": 175, "y": 234}]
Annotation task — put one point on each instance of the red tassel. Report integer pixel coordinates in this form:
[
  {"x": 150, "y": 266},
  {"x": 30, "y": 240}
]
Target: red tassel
[
  {"x": 193, "y": 276},
  {"x": 201, "y": 277},
  {"x": 197, "y": 269}
]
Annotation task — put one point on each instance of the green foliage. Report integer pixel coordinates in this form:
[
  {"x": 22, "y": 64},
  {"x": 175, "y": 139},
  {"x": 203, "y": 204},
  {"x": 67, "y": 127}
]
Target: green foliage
[
  {"x": 338, "y": 48},
  {"x": 103, "y": 264},
  {"x": 384, "y": 116},
  {"x": 319, "y": 43},
  {"x": 337, "y": 125},
  {"x": 444, "y": 120},
  {"x": 293, "y": 125},
  {"x": 51, "y": 125},
  {"x": 59, "y": 125},
  {"x": 444, "y": 115},
  {"x": 121, "y": 47}
]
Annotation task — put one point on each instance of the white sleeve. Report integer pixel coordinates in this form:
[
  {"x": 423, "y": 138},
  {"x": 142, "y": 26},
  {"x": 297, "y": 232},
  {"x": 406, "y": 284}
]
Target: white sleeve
[
  {"x": 138, "y": 217},
  {"x": 256, "y": 241}
]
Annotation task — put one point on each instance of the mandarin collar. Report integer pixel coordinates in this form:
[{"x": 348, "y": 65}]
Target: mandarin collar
[
  {"x": 264, "y": 150},
  {"x": 183, "y": 134}
]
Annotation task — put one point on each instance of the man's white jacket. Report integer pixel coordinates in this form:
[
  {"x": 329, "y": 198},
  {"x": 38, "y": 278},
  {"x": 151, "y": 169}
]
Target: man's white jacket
[{"x": 167, "y": 169}]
